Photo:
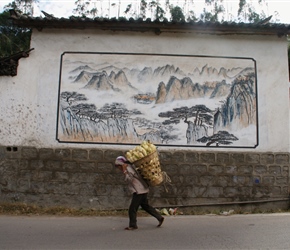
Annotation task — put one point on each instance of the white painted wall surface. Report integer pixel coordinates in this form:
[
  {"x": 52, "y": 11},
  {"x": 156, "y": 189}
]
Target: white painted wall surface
[{"x": 29, "y": 100}]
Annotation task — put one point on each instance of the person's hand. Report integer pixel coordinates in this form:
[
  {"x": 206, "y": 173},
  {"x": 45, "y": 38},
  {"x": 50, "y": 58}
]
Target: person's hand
[{"x": 124, "y": 168}]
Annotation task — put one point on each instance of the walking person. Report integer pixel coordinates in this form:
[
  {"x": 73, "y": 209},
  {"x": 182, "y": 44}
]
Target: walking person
[{"x": 139, "y": 189}]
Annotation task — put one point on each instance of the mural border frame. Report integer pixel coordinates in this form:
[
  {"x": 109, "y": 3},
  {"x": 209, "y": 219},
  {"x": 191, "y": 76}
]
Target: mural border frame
[{"x": 158, "y": 54}]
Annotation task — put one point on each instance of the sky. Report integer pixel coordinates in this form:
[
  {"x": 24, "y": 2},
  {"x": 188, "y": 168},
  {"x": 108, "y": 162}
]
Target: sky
[{"x": 280, "y": 9}]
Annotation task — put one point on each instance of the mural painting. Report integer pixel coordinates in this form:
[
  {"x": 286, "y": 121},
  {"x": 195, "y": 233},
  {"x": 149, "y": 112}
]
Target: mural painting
[{"x": 171, "y": 100}]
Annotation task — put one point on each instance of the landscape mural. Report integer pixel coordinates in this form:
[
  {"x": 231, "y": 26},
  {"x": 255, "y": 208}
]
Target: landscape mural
[{"x": 171, "y": 100}]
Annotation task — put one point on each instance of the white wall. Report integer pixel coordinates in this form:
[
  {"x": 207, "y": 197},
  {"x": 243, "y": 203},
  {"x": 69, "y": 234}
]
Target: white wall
[{"x": 29, "y": 100}]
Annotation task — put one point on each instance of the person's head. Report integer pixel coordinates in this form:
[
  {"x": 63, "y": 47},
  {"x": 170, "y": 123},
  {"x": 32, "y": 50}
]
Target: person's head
[{"x": 120, "y": 161}]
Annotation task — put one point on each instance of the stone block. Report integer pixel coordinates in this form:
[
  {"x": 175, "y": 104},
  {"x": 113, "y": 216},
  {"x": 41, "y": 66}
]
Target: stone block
[
  {"x": 214, "y": 192},
  {"x": 222, "y": 158},
  {"x": 96, "y": 155},
  {"x": 198, "y": 191},
  {"x": 64, "y": 154},
  {"x": 70, "y": 166},
  {"x": 113, "y": 178},
  {"x": 23, "y": 185},
  {"x": 29, "y": 153},
  {"x": 87, "y": 189},
  {"x": 276, "y": 191},
  {"x": 275, "y": 170},
  {"x": 185, "y": 169},
  {"x": 252, "y": 158},
  {"x": 207, "y": 157},
  {"x": 102, "y": 189},
  {"x": 185, "y": 191},
  {"x": 36, "y": 164},
  {"x": 71, "y": 188},
  {"x": 223, "y": 181},
  {"x": 52, "y": 165},
  {"x": 244, "y": 193},
  {"x": 28, "y": 175},
  {"x": 79, "y": 154},
  {"x": 285, "y": 190},
  {"x": 87, "y": 166},
  {"x": 260, "y": 169},
  {"x": 285, "y": 171},
  {"x": 215, "y": 169},
  {"x": 232, "y": 170},
  {"x": 79, "y": 177},
  {"x": 111, "y": 155},
  {"x": 199, "y": 169},
  {"x": 190, "y": 179},
  {"x": 267, "y": 158},
  {"x": 281, "y": 181},
  {"x": 100, "y": 178},
  {"x": 44, "y": 176},
  {"x": 59, "y": 176},
  {"x": 118, "y": 190},
  {"x": 90, "y": 178},
  {"x": 104, "y": 167},
  {"x": 37, "y": 187},
  {"x": 207, "y": 180},
  {"x": 9, "y": 165},
  {"x": 163, "y": 191},
  {"x": 245, "y": 170},
  {"x": 268, "y": 180},
  {"x": 54, "y": 187},
  {"x": 282, "y": 159},
  {"x": 9, "y": 181},
  {"x": 165, "y": 157},
  {"x": 230, "y": 192},
  {"x": 191, "y": 192},
  {"x": 261, "y": 192},
  {"x": 170, "y": 169},
  {"x": 240, "y": 180},
  {"x": 191, "y": 157},
  {"x": 177, "y": 157},
  {"x": 46, "y": 153},
  {"x": 237, "y": 158},
  {"x": 177, "y": 179}
]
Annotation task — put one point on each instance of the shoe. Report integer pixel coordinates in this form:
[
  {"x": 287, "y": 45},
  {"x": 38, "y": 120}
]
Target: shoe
[
  {"x": 131, "y": 228},
  {"x": 160, "y": 222}
]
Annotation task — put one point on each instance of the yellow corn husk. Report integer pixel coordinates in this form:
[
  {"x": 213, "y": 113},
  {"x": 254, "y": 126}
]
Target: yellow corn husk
[{"x": 142, "y": 150}]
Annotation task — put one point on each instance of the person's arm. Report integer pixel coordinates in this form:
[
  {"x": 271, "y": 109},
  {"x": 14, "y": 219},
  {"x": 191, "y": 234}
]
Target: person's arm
[
  {"x": 124, "y": 168},
  {"x": 128, "y": 176}
]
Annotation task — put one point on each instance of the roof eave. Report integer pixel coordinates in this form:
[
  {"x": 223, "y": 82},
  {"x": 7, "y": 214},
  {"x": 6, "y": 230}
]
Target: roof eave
[{"x": 147, "y": 26}]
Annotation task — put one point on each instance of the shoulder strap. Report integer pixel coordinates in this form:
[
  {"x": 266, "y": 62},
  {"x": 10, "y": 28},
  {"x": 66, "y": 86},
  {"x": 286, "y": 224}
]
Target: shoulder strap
[{"x": 139, "y": 177}]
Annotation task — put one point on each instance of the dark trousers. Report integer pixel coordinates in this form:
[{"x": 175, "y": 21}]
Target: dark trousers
[{"x": 140, "y": 200}]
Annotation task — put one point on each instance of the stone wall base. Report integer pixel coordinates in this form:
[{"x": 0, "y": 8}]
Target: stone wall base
[{"x": 87, "y": 178}]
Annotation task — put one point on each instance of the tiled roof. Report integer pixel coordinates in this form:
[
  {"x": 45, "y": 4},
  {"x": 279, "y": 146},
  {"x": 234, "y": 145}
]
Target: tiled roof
[{"x": 122, "y": 24}]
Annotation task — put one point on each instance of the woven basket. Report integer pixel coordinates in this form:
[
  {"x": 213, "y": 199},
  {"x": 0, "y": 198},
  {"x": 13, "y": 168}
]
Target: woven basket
[{"x": 149, "y": 168}]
